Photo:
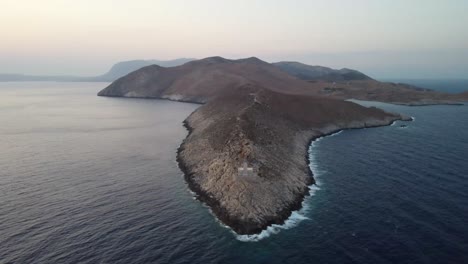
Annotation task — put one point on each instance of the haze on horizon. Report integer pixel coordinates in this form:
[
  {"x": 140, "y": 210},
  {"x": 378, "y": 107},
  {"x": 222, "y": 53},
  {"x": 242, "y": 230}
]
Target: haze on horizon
[{"x": 385, "y": 39}]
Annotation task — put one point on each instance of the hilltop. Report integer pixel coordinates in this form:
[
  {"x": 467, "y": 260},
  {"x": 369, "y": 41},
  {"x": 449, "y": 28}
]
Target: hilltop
[
  {"x": 251, "y": 111},
  {"x": 201, "y": 80}
]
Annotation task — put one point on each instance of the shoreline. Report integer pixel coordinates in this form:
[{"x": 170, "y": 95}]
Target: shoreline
[
  {"x": 287, "y": 218},
  {"x": 248, "y": 114},
  {"x": 297, "y": 216},
  {"x": 304, "y": 137}
]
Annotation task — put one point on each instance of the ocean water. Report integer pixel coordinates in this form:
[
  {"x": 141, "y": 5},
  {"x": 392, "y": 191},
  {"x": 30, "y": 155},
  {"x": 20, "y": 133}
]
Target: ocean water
[{"x": 87, "y": 179}]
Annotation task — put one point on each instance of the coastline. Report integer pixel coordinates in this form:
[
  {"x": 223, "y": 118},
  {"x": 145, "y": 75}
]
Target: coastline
[
  {"x": 299, "y": 215},
  {"x": 221, "y": 214},
  {"x": 290, "y": 216},
  {"x": 268, "y": 129},
  {"x": 248, "y": 117}
]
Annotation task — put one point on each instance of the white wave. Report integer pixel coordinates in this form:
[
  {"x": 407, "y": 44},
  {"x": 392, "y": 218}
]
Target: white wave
[
  {"x": 293, "y": 221},
  {"x": 296, "y": 216},
  {"x": 193, "y": 194},
  {"x": 333, "y": 134},
  {"x": 320, "y": 138}
]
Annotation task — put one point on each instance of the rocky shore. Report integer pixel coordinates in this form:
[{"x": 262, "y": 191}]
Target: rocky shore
[
  {"x": 260, "y": 126},
  {"x": 247, "y": 117}
]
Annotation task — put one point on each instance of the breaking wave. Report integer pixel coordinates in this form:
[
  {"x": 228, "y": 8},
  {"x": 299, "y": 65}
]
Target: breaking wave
[
  {"x": 301, "y": 214},
  {"x": 293, "y": 221}
]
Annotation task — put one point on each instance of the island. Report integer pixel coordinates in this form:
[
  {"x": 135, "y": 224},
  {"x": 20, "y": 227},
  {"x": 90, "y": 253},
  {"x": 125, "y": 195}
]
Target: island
[
  {"x": 116, "y": 71},
  {"x": 260, "y": 117}
]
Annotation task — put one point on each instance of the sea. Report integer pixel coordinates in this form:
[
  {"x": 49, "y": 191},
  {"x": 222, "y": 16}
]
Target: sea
[{"x": 88, "y": 179}]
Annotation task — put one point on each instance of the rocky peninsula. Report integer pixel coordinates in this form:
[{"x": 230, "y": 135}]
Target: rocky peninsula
[
  {"x": 352, "y": 84},
  {"x": 252, "y": 112}
]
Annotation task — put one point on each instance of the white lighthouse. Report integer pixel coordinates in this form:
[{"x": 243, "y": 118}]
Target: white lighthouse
[{"x": 245, "y": 171}]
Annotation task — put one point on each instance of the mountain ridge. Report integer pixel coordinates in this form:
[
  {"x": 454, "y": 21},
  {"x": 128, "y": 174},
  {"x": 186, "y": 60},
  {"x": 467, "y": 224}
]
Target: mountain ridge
[
  {"x": 251, "y": 111},
  {"x": 196, "y": 79},
  {"x": 309, "y": 72}
]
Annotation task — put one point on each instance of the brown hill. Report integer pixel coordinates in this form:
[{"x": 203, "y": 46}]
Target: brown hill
[
  {"x": 254, "y": 112},
  {"x": 201, "y": 80},
  {"x": 271, "y": 131}
]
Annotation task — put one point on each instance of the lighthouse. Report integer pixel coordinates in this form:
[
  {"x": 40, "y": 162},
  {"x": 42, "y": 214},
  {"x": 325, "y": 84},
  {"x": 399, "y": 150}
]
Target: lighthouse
[{"x": 245, "y": 171}]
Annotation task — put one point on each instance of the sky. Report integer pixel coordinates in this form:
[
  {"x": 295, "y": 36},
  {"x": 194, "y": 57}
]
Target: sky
[{"x": 383, "y": 38}]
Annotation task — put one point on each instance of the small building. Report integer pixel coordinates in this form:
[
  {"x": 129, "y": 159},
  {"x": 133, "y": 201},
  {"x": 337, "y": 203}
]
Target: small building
[{"x": 245, "y": 171}]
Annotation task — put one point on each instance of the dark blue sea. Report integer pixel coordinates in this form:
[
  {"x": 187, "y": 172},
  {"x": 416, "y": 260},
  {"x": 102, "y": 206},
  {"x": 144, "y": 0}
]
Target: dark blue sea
[{"x": 87, "y": 179}]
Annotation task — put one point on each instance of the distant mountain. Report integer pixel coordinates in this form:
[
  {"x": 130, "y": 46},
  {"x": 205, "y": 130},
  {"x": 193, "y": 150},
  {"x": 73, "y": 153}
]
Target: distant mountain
[
  {"x": 441, "y": 85},
  {"x": 125, "y": 67},
  {"x": 308, "y": 72},
  {"x": 118, "y": 70}
]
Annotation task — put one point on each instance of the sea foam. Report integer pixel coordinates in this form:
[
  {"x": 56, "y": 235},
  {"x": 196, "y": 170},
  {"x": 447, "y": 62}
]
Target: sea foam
[
  {"x": 294, "y": 219},
  {"x": 301, "y": 214}
]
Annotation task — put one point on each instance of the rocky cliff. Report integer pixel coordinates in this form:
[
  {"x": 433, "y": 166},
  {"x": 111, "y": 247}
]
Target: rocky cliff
[
  {"x": 252, "y": 112},
  {"x": 271, "y": 131}
]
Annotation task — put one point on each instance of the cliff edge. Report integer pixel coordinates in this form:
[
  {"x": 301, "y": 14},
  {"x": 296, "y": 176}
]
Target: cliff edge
[{"x": 253, "y": 115}]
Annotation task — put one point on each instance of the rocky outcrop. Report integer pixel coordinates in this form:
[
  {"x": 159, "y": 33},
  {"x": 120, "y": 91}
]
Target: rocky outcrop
[
  {"x": 271, "y": 131},
  {"x": 252, "y": 112}
]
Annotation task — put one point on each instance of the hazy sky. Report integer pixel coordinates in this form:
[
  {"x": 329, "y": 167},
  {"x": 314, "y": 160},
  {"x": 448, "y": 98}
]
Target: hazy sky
[{"x": 394, "y": 38}]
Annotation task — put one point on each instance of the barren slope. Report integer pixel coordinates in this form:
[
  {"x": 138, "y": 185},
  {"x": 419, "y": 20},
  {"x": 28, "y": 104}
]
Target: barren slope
[
  {"x": 253, "y": 112},
  {"x": 201, "y": 80},
  {"x": 271, "y": 131}
]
